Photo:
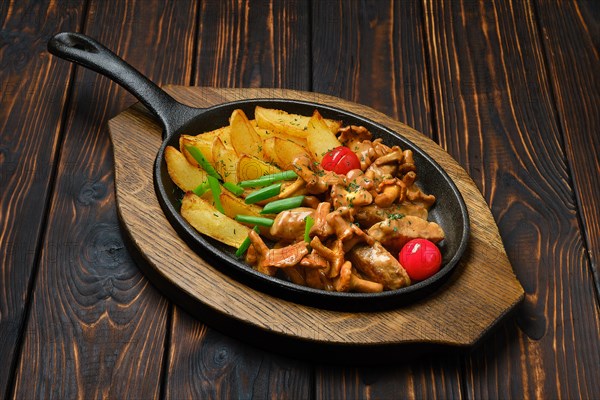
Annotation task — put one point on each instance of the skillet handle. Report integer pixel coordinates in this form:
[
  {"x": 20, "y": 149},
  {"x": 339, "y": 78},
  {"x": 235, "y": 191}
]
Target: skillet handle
[{"x": 83, "y": 50}]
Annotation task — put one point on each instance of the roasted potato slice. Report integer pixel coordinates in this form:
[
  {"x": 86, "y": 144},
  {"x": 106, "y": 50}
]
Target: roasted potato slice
[
  {"x": 286, "y": 151},
  {"x": 269, "y": 149},
  {"x": 223, "y": 133},
  {"x": 234, "y": 205},
  {"x": 185, "y": 175},
  {"x": 319, "y": 138},
  {"x": 268, "y": 134},
  {"x": 262, "y": 132},
  {"x": 290, "y": 124},
  {"x": 225, "y": 161},
  {"x": 207, "y": 220},
  {"x": 204, "y": 144},
  {"x": 252, "y": 168},
  {"x": 244, "y": 138},
  {"x": 299, "y": 141}
]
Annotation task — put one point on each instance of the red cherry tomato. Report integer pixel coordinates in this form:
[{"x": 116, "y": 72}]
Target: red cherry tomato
[
  {"x": 340, "y": 160},
  {"x": 420, "y": 258}
]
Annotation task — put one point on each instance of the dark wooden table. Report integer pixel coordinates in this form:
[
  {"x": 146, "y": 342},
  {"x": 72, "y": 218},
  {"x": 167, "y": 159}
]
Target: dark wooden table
[{"x": 509, "y": 89}]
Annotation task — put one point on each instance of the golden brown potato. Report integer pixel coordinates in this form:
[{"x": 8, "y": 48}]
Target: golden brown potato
[
  {"x": 222, "y": 133},
  {"x": 269, "y": 149},
  {"x": 252, "y": 168},
  {"x": 319, "y": 138},
  {"x": 225, "y": 161},
  {"x": 290, "y": 124},
  {"x": 268, "y": 134},
  {"x": 244, "y": 138},
  {"x": 233, "y": 205},
  {"x": 185, "y": 175},
  {"x": 204, "y": 144},
  {"x": 286, "y": 151},
  {"x": 207, "y": 220}
]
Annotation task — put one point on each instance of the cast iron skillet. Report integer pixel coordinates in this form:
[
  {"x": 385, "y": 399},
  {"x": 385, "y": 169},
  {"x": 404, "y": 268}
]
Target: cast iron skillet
[{"x": 177, "y": 119}]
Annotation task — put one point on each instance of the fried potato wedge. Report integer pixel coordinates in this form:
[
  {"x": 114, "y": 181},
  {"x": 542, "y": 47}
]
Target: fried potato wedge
[
  {"x": 185, "y": 175},
  {"x": 262, "y": 132},
  {"x": 253, "y": 168},
  {"x": 290, "y": 124},
  {"x": 204, "y": 144},
  {"x": 225, "y": 161},
  {"x": 223, "y": 133},
  {"x": 269, "y": 150},
  {"x": 244, "y": 138},
  {"x": 268, "y": 134},
  {"x": 207, "y": 220},
  {"x": 319, "y": 138},
  {"x": 233, "y": 205},
  {"x": 286, "y": 151},
  {"x": 299, "y": 141}
]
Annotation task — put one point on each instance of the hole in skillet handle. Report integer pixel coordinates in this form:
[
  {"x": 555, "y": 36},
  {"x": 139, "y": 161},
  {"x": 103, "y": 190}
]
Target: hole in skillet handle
[{"x": 449, "y": 212}]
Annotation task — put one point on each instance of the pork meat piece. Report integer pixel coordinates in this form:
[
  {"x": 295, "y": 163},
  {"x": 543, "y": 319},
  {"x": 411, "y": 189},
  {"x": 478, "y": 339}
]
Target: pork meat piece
[
  {"x": 369, "y": 215},
  {"x": 395, "y": 233},
  {"x": 378, "y": 265},
  {"x": 289, "y": 224}
]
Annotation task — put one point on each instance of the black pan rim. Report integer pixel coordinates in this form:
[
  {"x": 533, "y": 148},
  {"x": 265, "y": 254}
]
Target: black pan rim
[{"x": 347, "y": 301}]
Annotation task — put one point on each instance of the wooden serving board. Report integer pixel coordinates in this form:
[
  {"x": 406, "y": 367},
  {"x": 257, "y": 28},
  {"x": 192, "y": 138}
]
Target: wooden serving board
[{"x": 479, "y": 293}]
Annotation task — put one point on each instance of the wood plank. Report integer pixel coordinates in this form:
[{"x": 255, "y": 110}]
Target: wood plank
[
  {"x": 495, "y": 114},
  {"x": 97, "y": 328},
  {"x": 241, "y": 44},
  {"x": 253, "y": 44},
  {"x": 205, "y": 363},
  {"x": 571, "y": 38},
  {"x": 373, "y": 53},
  {"x": 415, "y": 378},
  {"x": 30, "y": 119}
]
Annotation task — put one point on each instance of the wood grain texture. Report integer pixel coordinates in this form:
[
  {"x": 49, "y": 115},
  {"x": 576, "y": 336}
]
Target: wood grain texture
[
  {"x": 474, "y": 298},
  {"x": 30, "y": 121},
  {"x": 571, "y": 36},
  {"x": 373, "y": 53},
  {"x": 512, "y": 94},
  {"x": 97, "y": 328},
  {"x": 241, "y": 44},
  {"x": 207, "y": 364},
  {"x": 495, "y": 114},
  {"x": 253, "y": 44}
]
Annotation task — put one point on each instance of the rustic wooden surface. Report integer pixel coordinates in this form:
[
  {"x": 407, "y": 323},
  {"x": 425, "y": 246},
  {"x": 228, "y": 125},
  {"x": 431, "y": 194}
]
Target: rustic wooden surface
[{"x": 509, "y": 88}]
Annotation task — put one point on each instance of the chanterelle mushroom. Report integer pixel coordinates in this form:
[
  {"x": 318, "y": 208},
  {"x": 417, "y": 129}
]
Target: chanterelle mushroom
[{"x": 282, "y": 257}]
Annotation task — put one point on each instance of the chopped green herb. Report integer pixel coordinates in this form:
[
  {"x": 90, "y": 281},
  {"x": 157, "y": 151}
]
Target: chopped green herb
[
  {"x": 353, "y": 186},
  {"x": 395, "y": 216}
]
